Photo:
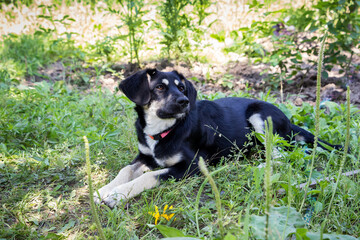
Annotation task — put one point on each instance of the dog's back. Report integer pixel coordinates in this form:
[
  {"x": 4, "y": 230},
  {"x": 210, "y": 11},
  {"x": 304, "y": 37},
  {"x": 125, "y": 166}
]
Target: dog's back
[{"x": 224, "y": 124}]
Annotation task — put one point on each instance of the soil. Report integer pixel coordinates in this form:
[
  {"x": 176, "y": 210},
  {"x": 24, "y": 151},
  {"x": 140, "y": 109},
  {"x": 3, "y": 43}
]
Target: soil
[{"x": 212, "y": 78}]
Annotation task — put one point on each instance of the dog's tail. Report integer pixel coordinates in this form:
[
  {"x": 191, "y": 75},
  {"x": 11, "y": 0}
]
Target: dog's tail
[{"x": 306, "y": 136}]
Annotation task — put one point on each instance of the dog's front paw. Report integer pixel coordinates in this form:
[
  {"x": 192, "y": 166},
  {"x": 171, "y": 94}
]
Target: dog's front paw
[
  {"x": 109, "y": 196},
  {"x": 113, "y": 199},
  {"x": 101, "y": 194}
]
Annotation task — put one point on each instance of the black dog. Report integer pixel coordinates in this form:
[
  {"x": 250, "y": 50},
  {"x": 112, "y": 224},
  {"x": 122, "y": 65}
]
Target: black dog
[{"x": 174, "y": 130}]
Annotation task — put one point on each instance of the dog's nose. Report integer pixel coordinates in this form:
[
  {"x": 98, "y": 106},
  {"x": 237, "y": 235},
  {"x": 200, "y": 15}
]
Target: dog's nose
[{"x": 182, "y": 101}]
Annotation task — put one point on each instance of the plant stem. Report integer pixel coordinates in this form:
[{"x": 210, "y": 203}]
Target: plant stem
[
  {"x": 91, "y": 191},
  {"x": 267, "y": 185},
  {"x": 347, "y": 141},
  {"x": 289, "y": 201},
  {"x": 317, "y": 116},
  {"x": 348, "y": 67},
  {"x": 199, "y": 194},
  {"x": 216, "y": 192}
]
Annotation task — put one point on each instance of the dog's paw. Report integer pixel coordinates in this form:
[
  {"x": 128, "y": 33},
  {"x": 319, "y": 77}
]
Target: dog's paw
[
  {"x": 96, "y": 198},
  {"x": 109, "y": 196},
  {"x": 113, "y": 199},
  {"x": 119, "y": 193},
  {"x": 101, "y": 194}
]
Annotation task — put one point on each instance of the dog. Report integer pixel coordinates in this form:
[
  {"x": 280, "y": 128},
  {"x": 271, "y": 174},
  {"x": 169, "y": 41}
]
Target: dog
[{"x": 174, "y": 130}]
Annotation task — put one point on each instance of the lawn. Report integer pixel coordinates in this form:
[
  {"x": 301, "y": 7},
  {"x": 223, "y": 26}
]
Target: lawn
[{"x": 58, "y": 78}]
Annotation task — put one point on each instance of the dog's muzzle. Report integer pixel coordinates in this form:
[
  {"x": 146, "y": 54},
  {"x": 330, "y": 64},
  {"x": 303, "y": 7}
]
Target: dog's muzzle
[
  {"x": 177, "y": 108},
  {"x": 182, "y": 102}
]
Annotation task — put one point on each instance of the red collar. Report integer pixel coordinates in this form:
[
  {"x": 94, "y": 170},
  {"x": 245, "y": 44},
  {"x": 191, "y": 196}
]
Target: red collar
[{"x": 160, "y": 135}]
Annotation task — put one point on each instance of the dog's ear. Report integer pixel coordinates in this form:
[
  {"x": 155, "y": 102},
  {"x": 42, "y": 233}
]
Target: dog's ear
[
  {"x": 190, "y": 90},
  {"x": 136, "y": 87},
  {"x": 191, "y": 93}
]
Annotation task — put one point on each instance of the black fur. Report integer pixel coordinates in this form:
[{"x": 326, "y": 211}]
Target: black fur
[{"x": 207, "y": 129}]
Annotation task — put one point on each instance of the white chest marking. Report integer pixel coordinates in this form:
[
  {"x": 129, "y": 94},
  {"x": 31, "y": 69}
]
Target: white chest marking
[
  {"x": 154, "y": 124},
  {"x": 149, "y": 149},
  {"x": 151, "y": 143},
  {"x": 163, "y": 162},
  {"x": 169, "y": 161},
  {"x": 145, "y": 150}
]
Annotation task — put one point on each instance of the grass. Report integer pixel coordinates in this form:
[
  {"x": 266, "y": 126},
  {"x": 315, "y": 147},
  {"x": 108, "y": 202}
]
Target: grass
[
  {"x": 43, "y": 184},
  {"x": 44, "y": 191}
]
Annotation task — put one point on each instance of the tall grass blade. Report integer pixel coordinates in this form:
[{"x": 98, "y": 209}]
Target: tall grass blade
[
  {"x": 267, "y": 185},
  {"x": 91, "y": 191},
  {"x": 197, "y": 201},
  {"x": 289, "y": 201},
  {"x": 205, "y": 171},
  {"x": 317, "y": 116},
  {"x": 247, "y": 223},
  {"x": 347, "y": 141}
]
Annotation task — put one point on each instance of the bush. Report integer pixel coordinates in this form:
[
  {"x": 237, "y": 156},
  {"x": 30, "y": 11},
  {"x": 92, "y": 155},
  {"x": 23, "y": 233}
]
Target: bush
[{"x": 288, "y": 45}]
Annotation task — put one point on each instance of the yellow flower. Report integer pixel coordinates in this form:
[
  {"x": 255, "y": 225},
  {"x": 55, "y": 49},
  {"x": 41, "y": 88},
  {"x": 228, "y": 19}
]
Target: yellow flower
[
  {"x": 157, "y": 215},
  {"x": 167, "y": 216}
]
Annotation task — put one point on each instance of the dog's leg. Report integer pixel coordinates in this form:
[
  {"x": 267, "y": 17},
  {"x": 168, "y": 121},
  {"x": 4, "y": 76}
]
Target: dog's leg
[
  {"x": 130, "y": 189},
  {"x": 125, "y": 175},
  {"x": 151, "y": 179},
  {"x": 259, "y": 126}
]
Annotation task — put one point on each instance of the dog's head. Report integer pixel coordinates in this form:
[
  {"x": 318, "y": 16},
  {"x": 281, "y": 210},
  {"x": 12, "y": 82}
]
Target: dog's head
[{"x": 173, "y": 95}]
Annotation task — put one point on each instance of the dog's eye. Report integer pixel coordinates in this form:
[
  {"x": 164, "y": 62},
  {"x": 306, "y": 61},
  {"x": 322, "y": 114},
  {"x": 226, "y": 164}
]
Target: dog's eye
[
  {"x": 160, "y": 87},
  {"x": 181, "y": 88}
]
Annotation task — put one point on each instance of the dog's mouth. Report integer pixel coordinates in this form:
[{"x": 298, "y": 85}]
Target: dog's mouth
[{"x": 173, "y": 112}]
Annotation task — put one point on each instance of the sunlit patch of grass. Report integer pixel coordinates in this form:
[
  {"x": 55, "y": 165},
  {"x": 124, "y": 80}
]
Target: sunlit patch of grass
[
  {"x": 23, "y": 55},
  {"x": 43, "y": 187}
]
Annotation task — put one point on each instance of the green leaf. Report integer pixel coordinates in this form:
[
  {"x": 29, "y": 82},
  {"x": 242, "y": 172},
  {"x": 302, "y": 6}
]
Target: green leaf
[
  {"x": 229, "y": 236},
  {"x": 53, "y": 236},
  {"x": 301, "y": 234},
  {"x": 220, "y": 36},
  {"x": 316, "y": 236},
  {"x": 173, "y": 233},
  {"x": 275, "y": 178},
  {"x": 67, "y": 226},
  {"x": 181, "y": 238},
  {"x": 169, "y": 231},
  {"x": 278, "y": 223},
  {"x": 318, "y": 207},
  {"x": 293, "y": 224}
]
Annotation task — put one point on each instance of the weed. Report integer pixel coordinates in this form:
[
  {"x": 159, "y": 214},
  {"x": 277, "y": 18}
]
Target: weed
[
  {"x": 6, "y": 80},
  {"x": 289, "y": 45},
  {"x": 177, "y": 23},
  {"x": 200, "y": 7},
  {"x": 204, "y": 170},
  {"x": 47, "y": 11},
  {"x": 267, "y": 182},
  {"x": 317, "y": 114},
  {"x": 132, "y": 17},
  {"x": 346, "y": 148},
  {"x": 91, "y": 191}
]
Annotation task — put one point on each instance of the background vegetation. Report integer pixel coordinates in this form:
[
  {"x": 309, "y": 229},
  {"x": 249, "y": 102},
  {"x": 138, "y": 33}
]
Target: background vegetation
[{"x": 60, "y": 62}]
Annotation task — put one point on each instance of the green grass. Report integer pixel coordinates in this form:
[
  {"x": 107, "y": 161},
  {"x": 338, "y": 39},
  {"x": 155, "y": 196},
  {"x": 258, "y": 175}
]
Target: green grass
[
  {"x": 43, "y": 182},
  {"x": 22, "y": 55},
  {"x": 44, "y": 189}
]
